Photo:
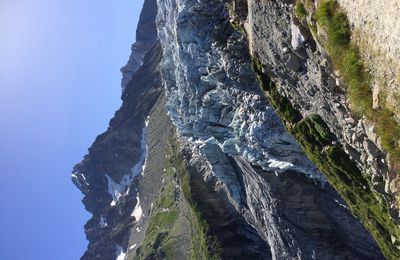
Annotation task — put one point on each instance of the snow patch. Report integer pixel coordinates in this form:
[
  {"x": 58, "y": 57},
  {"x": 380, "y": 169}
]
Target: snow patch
[
  {"x": 139, "y": 167},
  {"x": 341, "y": 205},
  {"x": 120, "y": 253},
  {"x": 137, "y": 212},
  {"x": 297, "y": 38},
  {"x": 79, "y": 178},
  {"x": 273, "y": 163},
  {"x": 117, "y": 190}
]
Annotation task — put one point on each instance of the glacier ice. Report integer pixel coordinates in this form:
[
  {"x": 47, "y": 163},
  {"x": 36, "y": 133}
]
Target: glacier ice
[{"x": 213, "y": 95}]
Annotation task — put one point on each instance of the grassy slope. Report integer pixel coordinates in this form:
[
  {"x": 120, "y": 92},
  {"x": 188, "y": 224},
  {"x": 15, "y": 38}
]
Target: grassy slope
[
  {"x": 174, "y": 217},
  {"x": 318, "y": 143},
  {"x": 346, "y": 58}
]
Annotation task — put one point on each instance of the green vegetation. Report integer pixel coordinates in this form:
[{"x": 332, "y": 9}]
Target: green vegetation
[
  {"x": 345, "y": 56},
  {"x": 300, "y": 10},
  {"x": 347, "y": 60},
  {"x": 238, "y": 27},
  {"x": 175, "y": 218},
  {"x": 207, "y": 246},
  {"x": 317, "y": 140},
  {"x": 280, "y": 103},
  {"x": 160, "y": 233},
  {"x": 235, "y": 24},
  {"x": 346, "y": 178},
  {"x": 389, "y": 132},
  {"x": 309, "y": 4},
  {"x": 343, "y": 174}
]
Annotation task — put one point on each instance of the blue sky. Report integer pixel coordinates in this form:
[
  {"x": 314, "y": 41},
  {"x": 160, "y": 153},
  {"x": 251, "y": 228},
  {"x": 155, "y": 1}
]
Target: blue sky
[{"x": 59, "y": 86}]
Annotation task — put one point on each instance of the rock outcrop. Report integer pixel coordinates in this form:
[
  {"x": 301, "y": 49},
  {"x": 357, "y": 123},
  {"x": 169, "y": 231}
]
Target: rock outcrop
[
  {"x": 146, "y": 36},
  {"x": 108, "y": 175}
]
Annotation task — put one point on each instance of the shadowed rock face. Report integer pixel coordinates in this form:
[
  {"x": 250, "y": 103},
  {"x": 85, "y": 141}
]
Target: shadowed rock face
[
  {"x": 256, "y": 189},
  {"x": 285, "y": 216},
  {"x": 146, "y": 36},
  {"x": 113, "y": 155}
]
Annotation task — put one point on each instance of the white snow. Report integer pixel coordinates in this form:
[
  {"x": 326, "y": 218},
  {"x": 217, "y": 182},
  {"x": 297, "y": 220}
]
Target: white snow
[
  {"x": 297, "y": 38},
  {"x": 144, "y": 147},
  {"x": 117, "y": 190},
  {"x": 132, "y": 247},
  {"x": 137, "y": 212},
  {"x": 80, "y": 178},
  {"x": 120, "y": 253},
  {"x": 342, "y": 205},
  {"x": 139, "y": 167},
  {"x": 274, "y": 163},
  {"x": 114, "y": 189}
]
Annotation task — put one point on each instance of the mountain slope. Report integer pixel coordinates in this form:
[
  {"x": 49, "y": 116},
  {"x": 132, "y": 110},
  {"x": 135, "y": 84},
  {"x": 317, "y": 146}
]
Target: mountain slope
[{"x": 233, "y": 142}]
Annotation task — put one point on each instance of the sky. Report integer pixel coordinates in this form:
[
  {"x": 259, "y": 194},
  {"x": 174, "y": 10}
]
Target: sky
[{"x": 59, "y": 87}]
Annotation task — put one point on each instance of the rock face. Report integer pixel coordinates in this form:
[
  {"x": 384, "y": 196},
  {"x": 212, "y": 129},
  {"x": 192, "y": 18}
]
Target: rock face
[
  {"x": 233, "y": 165},
  {"x": 146, "y": 36},
  {"x": 310, "y": 86},
  {"x": 109, "y": 174}
]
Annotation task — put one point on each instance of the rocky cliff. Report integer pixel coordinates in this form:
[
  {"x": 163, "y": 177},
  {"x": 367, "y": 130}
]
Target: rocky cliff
[
  {"x": 146, "y": 36},
  {"x": 235, "y": 140}
]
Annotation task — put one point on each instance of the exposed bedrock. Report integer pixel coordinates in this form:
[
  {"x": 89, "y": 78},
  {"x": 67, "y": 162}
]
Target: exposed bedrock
[
  {"x": 146, "y": 36},
  {"x": 107, "y": 174},
  {"x": 279, "y": 41}
]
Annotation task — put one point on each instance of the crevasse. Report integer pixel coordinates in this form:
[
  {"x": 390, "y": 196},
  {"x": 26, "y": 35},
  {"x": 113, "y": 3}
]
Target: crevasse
[{"x": 212, "y": 94}]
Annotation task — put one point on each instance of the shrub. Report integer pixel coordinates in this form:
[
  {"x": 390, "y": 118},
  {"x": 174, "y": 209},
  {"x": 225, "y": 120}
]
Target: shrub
[
  {"x": 299, "y": 10},
  {"x": 339, "y": 29},
  {"x": 325, "y": 12}
]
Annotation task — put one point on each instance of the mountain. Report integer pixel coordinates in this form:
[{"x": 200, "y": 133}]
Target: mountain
[{"x": 248, "y": 130}]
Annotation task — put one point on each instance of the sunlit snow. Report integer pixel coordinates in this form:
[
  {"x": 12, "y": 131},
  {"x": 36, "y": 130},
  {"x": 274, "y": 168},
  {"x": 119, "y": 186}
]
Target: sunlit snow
[
  {"x": 120, "y": 253},
  {"x": 137, "y": 212}
]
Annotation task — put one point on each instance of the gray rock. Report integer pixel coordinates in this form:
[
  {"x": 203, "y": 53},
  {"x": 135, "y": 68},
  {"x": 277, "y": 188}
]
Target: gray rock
[
  {"x": 371, "y": 148},
  {"x": 101, "y": 166},
  {"x": 292, "y": 62}
]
